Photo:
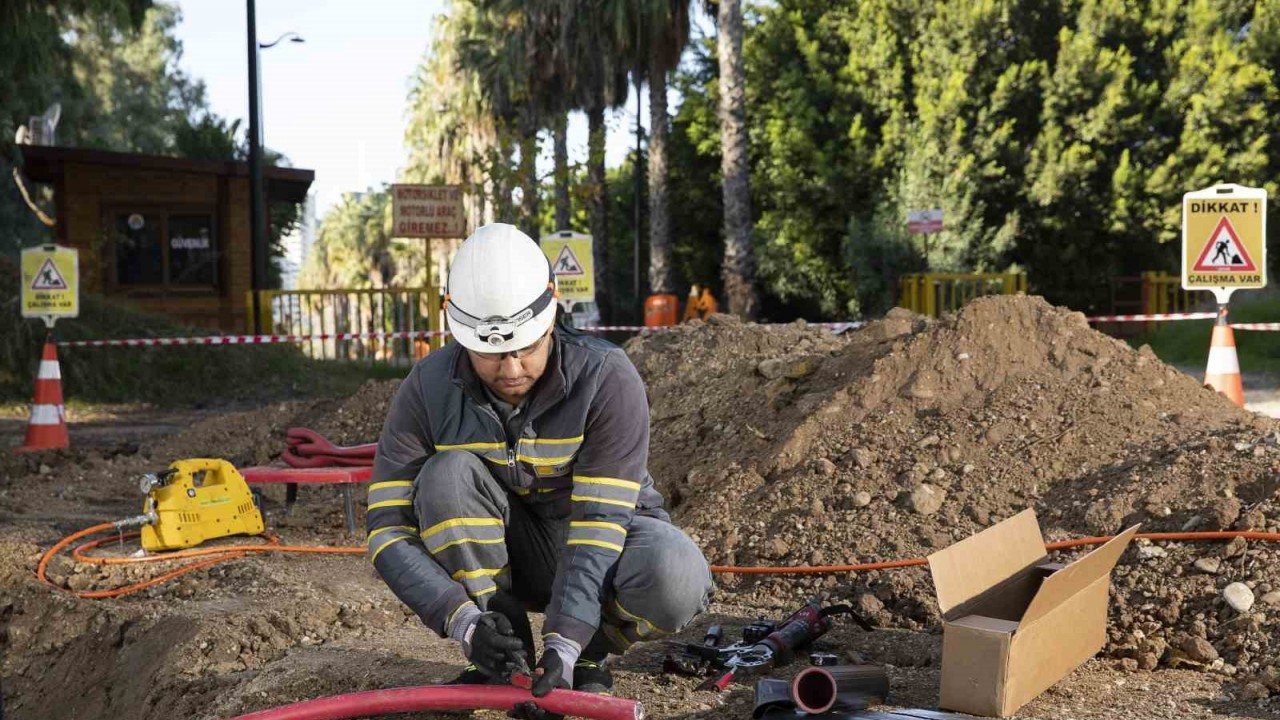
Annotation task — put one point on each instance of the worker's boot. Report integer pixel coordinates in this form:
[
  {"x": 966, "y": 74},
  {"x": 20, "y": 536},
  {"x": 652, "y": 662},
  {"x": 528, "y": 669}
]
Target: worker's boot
[{"x": 591, "y": 672}]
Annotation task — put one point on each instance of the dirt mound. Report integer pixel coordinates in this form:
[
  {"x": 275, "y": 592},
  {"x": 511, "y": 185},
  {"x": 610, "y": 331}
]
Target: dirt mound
[
  {"x": 354, "y": 420},
  {"x": 257, "y": 437},
  {"x": 789, "y": 445}
]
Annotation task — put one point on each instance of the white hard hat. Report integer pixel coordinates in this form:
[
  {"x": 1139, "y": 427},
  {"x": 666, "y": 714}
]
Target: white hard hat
[{"x": 501, "y": 292}]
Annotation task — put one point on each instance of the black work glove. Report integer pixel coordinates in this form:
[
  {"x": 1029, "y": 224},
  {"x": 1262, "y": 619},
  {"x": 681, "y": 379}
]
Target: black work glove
[
  {"x": 495, "y": 649},
  {"x": 547, "y": 676}
]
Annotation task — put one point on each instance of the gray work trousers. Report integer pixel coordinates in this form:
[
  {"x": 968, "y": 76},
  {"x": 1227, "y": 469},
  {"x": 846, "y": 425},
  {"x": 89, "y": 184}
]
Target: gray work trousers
[{"x": 488, "y": 540}]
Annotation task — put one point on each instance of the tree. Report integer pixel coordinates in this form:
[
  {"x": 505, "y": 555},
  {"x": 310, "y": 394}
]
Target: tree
[
  {"x": 138, "y": 97},
  {"x": 511, "y": 48},
  {"x": 353, "y": 247},
  {"x": 739, "y": 264},
  {"x": 654, "y": 44},
  {"x": 450, "y": 136},
  {"x": 35, "y": 71},
  {"x": 592, "y": 42}
]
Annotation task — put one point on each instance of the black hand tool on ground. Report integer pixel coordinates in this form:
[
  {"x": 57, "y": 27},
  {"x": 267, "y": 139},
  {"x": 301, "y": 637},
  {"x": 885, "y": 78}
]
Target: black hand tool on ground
[{"x": 778, "y": 647}]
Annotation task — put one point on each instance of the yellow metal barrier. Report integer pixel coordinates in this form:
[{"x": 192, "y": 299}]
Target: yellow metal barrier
[
  {"x": 934, "y": 294},
  {"x": 328, "y": 312},
  {"x": 1163, "y": 293}
]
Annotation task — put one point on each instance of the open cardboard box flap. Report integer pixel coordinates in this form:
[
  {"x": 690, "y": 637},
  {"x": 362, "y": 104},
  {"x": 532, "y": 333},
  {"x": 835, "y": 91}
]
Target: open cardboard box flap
[
  {"x": 976, "y": 564},
  {"x": 1060, "y": 586}
]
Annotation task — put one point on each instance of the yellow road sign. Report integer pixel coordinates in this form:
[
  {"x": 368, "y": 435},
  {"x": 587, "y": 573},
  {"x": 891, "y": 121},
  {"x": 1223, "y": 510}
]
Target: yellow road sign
[
  {"x": 570, "y": 256},
  {"x": 1224, "y": 239},
  {"x": 50, "y": 282}
]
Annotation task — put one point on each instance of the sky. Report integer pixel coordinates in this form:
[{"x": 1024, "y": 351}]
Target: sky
[{"x": 336, "y": 103}]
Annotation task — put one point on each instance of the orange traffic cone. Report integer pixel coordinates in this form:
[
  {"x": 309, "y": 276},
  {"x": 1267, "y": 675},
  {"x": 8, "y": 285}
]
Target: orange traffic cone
[
  {"x": 1223, "y": 371},
  {"x": 47, "y": 428}
]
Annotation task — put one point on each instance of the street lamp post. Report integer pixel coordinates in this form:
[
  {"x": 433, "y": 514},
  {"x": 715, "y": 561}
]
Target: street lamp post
[
  {"x": 257, "y": 205},
  {"x": 257, "y": 216}
]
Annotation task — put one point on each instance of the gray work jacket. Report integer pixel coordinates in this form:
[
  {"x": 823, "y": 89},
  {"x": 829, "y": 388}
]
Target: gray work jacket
[{"x": 581, "y": 456}]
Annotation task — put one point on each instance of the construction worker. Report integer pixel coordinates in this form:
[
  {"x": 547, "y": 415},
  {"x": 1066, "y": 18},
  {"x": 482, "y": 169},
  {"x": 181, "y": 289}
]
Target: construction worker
[{"x": 511, "y": 475}]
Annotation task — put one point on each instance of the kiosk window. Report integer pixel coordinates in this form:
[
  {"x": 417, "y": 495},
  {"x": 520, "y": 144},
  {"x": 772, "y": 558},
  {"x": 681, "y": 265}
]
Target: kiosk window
[
  {"x": 165, "y": 249},
  {"x": 192, "y": 257},
  {"x": 139, "y": 249}
]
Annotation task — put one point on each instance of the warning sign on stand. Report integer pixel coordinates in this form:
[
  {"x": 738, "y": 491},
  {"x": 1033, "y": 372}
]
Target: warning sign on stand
[
  {"x": 50, "y": 282},
  {"x": 1224, "y": 231},
  {"x": 570, "y": 256}
]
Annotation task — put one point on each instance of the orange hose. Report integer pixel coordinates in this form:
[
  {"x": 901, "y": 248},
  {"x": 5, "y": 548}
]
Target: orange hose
[
  {"x": 1061, "y": 545},
  {"x": 214, "y": 555},
  {"x": 218, "y": 555},
  {"x": 274, "y": 546}
]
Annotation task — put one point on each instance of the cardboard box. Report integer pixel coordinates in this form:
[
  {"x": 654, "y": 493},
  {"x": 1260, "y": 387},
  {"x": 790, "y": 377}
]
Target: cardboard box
[{"x": 1013, "y": 623}]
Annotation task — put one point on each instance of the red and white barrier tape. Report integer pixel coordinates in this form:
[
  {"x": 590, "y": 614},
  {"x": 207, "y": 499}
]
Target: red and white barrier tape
[
  {"x": 1267, "y": 326},
  {"x": 1152, "y": 318},
  {"x": 245, "y": 339},
  {"x": 403, "y": 335}
]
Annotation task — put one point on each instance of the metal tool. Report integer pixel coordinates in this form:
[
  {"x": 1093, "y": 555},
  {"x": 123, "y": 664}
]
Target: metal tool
[
  {"x": 694, "y": 659},
  {"x": 778, "y": 647}
]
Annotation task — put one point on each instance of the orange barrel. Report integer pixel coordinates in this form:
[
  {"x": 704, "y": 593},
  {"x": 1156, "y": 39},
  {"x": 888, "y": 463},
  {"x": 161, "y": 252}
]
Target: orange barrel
[{"x": 661, "y": 310}]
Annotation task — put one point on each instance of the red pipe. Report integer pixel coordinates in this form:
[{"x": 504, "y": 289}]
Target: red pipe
[{"x": 452, "y": 697}]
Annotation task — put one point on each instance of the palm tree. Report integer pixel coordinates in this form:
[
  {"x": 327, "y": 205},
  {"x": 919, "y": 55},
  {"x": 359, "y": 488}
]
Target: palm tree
[
  {"x": 511, "y": 50},
  {"x": 560, "y": 140},
  {"x": 450, "y": 135},
  {"x": 593, "y": 37},
  {"x": 738, "y": 270},
  {"x": 660, "y": 38}
]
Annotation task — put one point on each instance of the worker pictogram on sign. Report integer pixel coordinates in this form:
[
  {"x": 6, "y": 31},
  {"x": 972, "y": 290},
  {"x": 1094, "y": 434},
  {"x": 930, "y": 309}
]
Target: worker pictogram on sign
[
  {"x": 48, "y": 277},
  {"x": 1224, "y": 252},
  {"x": 567, "y": 263}
]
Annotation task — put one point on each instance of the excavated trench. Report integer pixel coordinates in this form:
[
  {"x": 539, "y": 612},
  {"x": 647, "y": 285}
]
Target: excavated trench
[{"x": 888, "y": 442}]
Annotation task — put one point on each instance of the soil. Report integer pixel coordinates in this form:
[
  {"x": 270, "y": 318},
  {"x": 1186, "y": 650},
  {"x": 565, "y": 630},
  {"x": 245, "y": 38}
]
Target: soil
[{"x": 891, "y": 441}]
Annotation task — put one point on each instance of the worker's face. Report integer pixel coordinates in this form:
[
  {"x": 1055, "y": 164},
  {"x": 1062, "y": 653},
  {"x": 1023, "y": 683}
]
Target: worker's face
[{"x": 511, "y": 376}]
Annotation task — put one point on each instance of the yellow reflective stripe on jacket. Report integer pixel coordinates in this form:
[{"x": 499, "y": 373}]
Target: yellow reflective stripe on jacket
[
  {"x": 596, "y": 543},
  {"x": 544, "y": 461},
  {"x": 449, "y": 621},
  {"x": 598, "y": 525},
  {"x": 375, "y": 533},
  {"x": 473, "y": 574},
  {"x": 640, "y": 622},
  {"x": 459, "y": 522},
  {"x": 390, "y": 484},
  {"x": 386, "y": 545},
  {"x": 464, "y": 541},
  {"x": 390, "y": 503},
  {"x": 611, "y": 482},
  {"x": 606, "y": 501},
  {"x": 473, "y": 446}
]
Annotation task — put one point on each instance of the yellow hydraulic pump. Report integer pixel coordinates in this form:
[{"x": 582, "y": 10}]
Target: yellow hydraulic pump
[{"x": 196, "y": 500}]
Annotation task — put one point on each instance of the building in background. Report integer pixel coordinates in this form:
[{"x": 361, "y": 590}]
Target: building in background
[
  {"x": 298, "y": 244},
  {"x": 166, "y": 235}
]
